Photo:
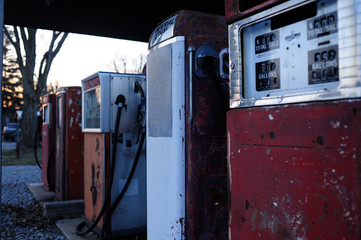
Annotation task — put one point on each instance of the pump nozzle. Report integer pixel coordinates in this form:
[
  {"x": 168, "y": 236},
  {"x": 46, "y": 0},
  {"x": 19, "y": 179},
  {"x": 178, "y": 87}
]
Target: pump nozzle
[
  {"x": 120, "y": 100},
  {"x": 138, "y": 88}
]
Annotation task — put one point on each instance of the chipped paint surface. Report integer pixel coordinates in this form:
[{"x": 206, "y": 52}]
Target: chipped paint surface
[
  {"x": 69, "y": 144},
  {"x": 48, "y": 144},
  {"x": 296, "y": 176},
  {"x": 95, "y": 176}
]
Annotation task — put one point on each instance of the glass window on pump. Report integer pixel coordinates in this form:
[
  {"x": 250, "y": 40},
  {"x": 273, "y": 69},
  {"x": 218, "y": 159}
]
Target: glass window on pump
[{"x": 92, "y": 114}]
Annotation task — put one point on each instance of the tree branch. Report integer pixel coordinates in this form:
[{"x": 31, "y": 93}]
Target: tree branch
[
  {"x": 16, "y": 45},
  {"x": 48, "y": 60},
  {"x": 6, "y": 31},
  {"x": 60, "y": 44},
  {"x": 25, "y": 39}
]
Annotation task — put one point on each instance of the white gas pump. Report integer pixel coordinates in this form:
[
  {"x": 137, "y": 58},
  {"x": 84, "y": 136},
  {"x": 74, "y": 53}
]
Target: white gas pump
[
  {"x": 108, "y": 99},
  {"x": 186, "y": 135}
]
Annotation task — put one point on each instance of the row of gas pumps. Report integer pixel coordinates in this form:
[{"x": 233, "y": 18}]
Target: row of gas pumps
[{"x": 250, "y": 133}]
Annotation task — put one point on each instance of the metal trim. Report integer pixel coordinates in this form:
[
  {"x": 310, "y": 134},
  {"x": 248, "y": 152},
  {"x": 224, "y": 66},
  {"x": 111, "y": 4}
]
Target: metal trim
[
  {"x": 168, "y": 41},
  {"x": 60, "y": 92},
  {"x": 191, "y": 50}
]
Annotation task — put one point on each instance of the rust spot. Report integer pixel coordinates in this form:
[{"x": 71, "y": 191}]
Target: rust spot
[
  {"x": 93, "y": 189},
  {"x": 284, "y": 234},
  {"x": 319, "y": 140},
  {"x": 325, "y": 207},
  {"x": 272, "y": 135},
  {"x": 247, "y": 205},
  {"x": 97, "y": 145}
]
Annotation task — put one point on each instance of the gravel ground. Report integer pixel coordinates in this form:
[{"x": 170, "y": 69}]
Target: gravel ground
[{"x": 21, "y": 213}]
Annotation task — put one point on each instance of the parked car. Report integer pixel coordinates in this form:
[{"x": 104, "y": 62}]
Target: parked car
[{"x": 10, "y": 131}]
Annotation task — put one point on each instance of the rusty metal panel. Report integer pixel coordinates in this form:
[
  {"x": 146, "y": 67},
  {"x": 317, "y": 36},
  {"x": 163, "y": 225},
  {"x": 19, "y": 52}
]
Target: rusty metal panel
[
  {"x": 96, "y": 147},
  {"x": 206, "y": 164},
  {"x": 48, "y": 142},
  {"x": 74, "y": 159},
  {"x": 294, "y": 171},
  {"x": 69, "y": 145},
  {"x": 60, "y": 146}
]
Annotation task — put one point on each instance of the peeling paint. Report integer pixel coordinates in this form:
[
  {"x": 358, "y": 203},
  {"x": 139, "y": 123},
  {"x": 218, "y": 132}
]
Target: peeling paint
[
  {"x": 71, "y": 122},
  {"x": 335, "y": 124},
  {"x": 301, "y": 184}
]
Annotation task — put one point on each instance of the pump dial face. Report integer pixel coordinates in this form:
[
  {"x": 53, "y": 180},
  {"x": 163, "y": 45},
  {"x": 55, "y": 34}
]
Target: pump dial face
[{"x": 282, "y": 56}]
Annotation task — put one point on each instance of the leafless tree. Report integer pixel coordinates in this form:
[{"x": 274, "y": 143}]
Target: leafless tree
[
  {"x": 24, "y": 42},
  {"x": 121, "y": 64}
]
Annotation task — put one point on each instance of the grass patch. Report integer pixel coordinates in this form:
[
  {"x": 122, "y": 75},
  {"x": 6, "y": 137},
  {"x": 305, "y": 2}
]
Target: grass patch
[{"x": 26, "y": 157}]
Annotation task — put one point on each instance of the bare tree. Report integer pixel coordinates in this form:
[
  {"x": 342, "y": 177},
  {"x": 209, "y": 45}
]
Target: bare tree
[
  {"x": 11, "y": 95},
  {"x": 121, "y": 65},
  {"x": 52, "y": 88},
  {"x": 24, "y": 42}
]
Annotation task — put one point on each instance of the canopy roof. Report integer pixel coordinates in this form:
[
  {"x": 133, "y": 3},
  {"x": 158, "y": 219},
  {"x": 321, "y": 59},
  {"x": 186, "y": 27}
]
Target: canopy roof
[{"x": 124, "y": 19}]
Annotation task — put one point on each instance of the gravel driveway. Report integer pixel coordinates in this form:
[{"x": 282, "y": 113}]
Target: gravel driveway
[{"x": 21, "y": 214}]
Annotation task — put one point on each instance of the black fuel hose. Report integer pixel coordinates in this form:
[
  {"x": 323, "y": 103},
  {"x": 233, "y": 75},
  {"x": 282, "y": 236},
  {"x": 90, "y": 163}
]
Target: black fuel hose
[
  {"x": 51, "y": 160},
  {"x": 35, "y": 146},
  {"x": 125, "y": 187},
  {"x": 120, "y": 101},
  {"x": 138, "y": 87}
]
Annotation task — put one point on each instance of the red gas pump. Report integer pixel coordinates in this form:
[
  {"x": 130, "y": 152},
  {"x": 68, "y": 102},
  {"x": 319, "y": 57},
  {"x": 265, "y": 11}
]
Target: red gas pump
[
  {"x": 295, "y": 121},
  {"x": 69, "y": 182},
  {"x": 48, "y": 142}
]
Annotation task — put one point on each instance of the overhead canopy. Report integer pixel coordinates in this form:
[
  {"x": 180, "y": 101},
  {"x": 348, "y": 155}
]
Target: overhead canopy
[{"x": 124, "y": 19}]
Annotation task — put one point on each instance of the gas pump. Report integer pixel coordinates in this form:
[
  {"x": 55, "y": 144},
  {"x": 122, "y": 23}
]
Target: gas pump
[
  {"x": 48, "y": 142},
  {"x": 69, "y": 145},
  {"x": 114, "y": 157},
  {"x": 294, "y": 124},
  {"x": 186, "y": 133}
]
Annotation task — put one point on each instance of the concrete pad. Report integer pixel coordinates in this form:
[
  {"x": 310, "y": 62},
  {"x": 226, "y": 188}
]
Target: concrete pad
[
  {"x": 40, "y": 193},
  {"x": 68, "y": 228},
  {"x": 70, "y": 208}
]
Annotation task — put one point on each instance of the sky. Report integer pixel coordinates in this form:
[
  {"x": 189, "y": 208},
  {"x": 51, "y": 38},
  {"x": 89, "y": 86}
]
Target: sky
[{"x": 83, "y": 55}]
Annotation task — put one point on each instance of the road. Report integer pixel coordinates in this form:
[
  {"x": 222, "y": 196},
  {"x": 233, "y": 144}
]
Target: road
[{"x": 8, "y": 145}]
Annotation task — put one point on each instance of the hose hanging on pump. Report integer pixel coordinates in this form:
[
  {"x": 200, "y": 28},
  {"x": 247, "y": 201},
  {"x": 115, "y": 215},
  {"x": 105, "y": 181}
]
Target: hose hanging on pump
[
  {"x": 120, "y": 101},
  {"x": 141, "y": 109},
  {"x": 141, "y": 123},
  {"x": 35, "y": 146},
  {"x": 130, "y": 176}
]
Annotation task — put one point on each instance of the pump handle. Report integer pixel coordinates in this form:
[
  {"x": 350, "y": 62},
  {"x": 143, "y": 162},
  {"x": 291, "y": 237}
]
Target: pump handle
[
  {"x": 222, "y": 72},
  {"x": 120, "y": 99}
]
